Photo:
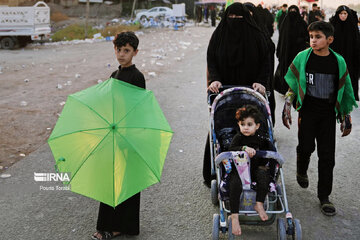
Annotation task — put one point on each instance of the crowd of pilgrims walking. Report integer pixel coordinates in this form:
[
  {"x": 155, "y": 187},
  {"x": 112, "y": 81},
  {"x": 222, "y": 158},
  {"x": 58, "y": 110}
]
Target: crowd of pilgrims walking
[
  {"x": 241, "y": 52},
  {"x": 253, "y": 47},
  {"x": 292, "y": 23}
]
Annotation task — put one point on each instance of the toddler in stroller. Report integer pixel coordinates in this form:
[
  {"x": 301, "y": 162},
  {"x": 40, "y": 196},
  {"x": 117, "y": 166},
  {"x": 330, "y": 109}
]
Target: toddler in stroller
[
  {"x": 248, "y": 118},
  {"x": 246, "y": 165}
]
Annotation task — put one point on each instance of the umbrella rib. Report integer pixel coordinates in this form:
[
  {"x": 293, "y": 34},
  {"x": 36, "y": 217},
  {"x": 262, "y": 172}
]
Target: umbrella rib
[
  {"x": 113, "y": 181},
  {"x": 169, "y": 131},
  {"x": 151, "y": 168},
  {"x": 72, "y": 177},
  {"x": 140, "y": 101},
  {"x": 85, "y": 130},
  {"x": 90, "y": 109}
]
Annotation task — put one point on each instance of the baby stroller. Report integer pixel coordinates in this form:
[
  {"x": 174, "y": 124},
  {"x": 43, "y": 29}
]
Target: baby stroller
[{"x": 223, "y": 127}]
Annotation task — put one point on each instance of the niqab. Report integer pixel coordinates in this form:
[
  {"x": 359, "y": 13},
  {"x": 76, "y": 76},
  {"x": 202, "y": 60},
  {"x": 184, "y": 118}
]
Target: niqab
[{"x": 237, "y": 49}]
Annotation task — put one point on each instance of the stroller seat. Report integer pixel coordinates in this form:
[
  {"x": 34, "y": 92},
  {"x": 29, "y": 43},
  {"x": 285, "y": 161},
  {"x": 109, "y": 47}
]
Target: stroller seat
[{"x": 242, "y": 162}]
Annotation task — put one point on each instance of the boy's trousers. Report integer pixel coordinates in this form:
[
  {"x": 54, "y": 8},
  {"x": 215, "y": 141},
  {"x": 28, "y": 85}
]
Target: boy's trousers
[{"x": 321, "y": 127}]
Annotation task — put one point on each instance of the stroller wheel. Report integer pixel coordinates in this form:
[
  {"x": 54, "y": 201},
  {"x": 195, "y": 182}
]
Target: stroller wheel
[
  {"x": 281, "y": 229},
  {"x": 214, "y": 192},
  {"x": 230, "y": 235},
  {"x": 297, "y": 233},
  {"x": 216, "y": 227}
]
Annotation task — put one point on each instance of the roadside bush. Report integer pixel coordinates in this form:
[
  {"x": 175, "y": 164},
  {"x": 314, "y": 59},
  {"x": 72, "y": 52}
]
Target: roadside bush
[
  {"x": 72, "y": 32},
  {"x": 77, "y": 31},
  {"x": 113, "y": 30},
  {"x": 58, "y": 16}
]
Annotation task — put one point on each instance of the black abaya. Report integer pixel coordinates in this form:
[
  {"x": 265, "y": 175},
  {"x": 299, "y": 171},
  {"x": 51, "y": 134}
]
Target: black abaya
[
  {"x": 123, "y": 218},
  {"x": 237, "y": 55},
  {"x": 293, "y": 38},
  {"x": 347, "y": 43}
]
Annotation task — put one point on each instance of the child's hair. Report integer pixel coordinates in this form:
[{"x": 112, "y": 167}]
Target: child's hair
[
  {"x": 326, "y": 28},
  {"x": 248, "y": 111},
  {"x": 123, "y": 38},
  {"x": 284, "y": 5}
]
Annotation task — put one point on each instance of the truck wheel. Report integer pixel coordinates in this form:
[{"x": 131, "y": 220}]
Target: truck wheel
[{"x": 8, "y": 43}]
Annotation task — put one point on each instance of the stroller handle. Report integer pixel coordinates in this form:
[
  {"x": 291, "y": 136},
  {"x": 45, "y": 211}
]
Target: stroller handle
[{"x": 260, "y": 153}]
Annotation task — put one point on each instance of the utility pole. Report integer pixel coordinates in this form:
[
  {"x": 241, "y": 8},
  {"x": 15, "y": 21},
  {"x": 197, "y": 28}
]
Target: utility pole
[
  {"x": 87, "y": 17},
  {"x": 133, "y": 9}
]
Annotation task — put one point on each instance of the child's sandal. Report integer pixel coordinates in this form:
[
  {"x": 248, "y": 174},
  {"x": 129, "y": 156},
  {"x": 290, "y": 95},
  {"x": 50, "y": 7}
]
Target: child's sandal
[
  {"x": 104, "y": 235},
  {"x": 327, "y": 208}
]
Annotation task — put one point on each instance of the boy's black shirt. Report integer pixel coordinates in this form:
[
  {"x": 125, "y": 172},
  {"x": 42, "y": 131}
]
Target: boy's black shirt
[
  {"x": 130, "y": 75},
  {"x": 327, "y": 68}
]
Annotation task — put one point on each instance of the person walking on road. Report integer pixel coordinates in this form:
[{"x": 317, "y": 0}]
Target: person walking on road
[
  {"x": 280, "y": 15},
  {"x": 314, "y": 14},
  {"x": 347, "y": 42},
  {"x": 293, "y": 38},
  {"x": 237, "y": 55},
  {"x": 320, "y": 83}
]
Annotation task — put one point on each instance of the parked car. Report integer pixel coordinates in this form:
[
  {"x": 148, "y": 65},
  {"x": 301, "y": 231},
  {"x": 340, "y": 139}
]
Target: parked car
[{"x": 155, "y": 12}]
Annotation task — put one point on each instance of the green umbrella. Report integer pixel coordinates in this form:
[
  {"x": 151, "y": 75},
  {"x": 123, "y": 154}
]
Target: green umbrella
[{"x": 113, "y": 139}]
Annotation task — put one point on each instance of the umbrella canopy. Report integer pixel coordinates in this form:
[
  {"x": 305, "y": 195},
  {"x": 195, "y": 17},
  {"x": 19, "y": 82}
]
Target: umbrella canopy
[{"x": 113, "y": 139}]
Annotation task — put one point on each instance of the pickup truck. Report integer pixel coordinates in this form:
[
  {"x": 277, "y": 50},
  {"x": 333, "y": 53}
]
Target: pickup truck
[{"x": 21, "y": 25}]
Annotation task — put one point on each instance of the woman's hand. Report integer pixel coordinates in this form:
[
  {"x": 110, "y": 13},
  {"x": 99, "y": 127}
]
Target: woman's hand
[
  {"x": 214, "y": 86},
  {"x": 258, "y": 87},
  {"x": 250, "y": 151}
]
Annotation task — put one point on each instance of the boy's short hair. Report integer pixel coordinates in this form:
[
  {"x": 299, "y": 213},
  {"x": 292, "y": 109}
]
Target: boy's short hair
[
  {"x": 248, "y": 111},
  {"x": 314, "y": 5},
  {"x": 284, "y": 5},
  {"x": 326, "y": 28},
  {"x": 124, "y": 38}
]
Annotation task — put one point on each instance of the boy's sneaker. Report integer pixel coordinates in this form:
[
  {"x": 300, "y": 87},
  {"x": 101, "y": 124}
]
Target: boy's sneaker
[{"x": 302, "y": 180}]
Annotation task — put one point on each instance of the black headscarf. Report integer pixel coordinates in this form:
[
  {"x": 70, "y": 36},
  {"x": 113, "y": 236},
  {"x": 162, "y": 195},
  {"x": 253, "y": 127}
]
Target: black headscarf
[
  {"x": 293, "y": 38},
  {"x": 259, "y": 15},
  {"x": 347, "y": 43},
  {"x": 237, "y": 50}
]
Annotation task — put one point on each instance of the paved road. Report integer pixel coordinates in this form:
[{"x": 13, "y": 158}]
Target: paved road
[{"x": 180, "y": 207}]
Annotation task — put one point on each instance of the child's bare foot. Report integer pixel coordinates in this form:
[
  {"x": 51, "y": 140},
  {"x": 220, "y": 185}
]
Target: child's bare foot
[
  {"x": 259, "y": 208},
  {"x": 236, "y": 229}
]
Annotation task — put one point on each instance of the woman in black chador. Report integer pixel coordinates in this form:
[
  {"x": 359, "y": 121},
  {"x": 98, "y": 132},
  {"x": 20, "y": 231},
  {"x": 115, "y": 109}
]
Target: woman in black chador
[
  {"x": 347, "y": 42},
  {"x": 237, "y": 55},
  {"x": 262, "y": 21},
  {"x": 293, "y": 38}
]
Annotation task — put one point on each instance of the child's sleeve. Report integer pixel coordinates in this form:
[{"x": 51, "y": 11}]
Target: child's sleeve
[
  {"x": 236, "y": 143},
  {"x": 266, "y": 144}
]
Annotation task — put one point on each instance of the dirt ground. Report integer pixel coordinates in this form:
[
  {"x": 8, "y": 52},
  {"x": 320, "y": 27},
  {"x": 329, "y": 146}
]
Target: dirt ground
[{"x": 36, "y": 80}]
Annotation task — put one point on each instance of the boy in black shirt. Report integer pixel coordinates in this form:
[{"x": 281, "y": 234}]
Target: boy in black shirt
[
  {"x": 319, "y": 80},
  {"x": 124, "y": 218},
  {"x": 125, "y": 46}
]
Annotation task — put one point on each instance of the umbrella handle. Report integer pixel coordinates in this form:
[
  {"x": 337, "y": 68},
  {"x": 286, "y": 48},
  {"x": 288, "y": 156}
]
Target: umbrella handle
[{"x": 61, "y": 159}]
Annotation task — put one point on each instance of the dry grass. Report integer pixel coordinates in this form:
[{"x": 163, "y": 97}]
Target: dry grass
[
  {"x": 72, "y": 32},
  {"x": 113, "y": 30},
  {"x": 58, "y": 16}
]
